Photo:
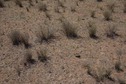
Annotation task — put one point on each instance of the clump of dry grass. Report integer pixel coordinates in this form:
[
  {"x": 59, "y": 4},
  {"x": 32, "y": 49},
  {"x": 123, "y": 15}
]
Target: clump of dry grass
[
  {"x": 42, "y": 56},
  {"x": 107, "y": 15},
  {"x": 19, "y": 3},
  {"x": 48, "y": 15},
  {"x": 93, "y": 14},
  {"x": 99, "y": 0},
  {"x": 118, "y": 64},
  {"x": 25, "y": 41},
  {"x": 124, "y": 10},
  {"x": 70, "y": 30},
  {"x": 27, "y": 9},
  {"x": 121, "y": 81},
  {"x": 111, "y": 32},
  {"x": 61, "y": 3},
  {"x": 6, "y": 0},
  {"x": 92, "y": 30},
  {"x": 81, "y": 0},
  {"x": 118, "y": 67},
  {"x": 43, "y": 7},
  {"x": 45, "y": 34},
  {"x": 18, "y": 70},
  {"x": 1, "y": 4},
  {"x": 36, "y": 1},
  {"x": 111, "y": 7},
  {"x": 28, "y": 60},
  {"x": 73, "y": 9},
  {"x": 19, "y": 38},
  {"x": 100, "y": 75},
  {"x": 31, "y": 3}
]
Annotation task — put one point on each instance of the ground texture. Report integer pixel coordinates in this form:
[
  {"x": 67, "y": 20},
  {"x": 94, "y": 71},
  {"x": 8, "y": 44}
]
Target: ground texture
[{"x": 82, "y": 60}]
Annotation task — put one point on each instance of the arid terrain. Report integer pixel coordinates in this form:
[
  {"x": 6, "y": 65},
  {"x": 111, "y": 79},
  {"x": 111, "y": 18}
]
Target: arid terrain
[{"x": 62, "y": 42}]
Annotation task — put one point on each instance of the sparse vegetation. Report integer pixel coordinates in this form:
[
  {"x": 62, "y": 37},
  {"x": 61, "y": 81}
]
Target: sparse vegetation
[
  {"x": 70, "y": 30},
  {"x": 31, "y": 3},
  {"x": 100, "y": 75},
  {"x": 42, "y": 56},
  {"x": 43, "y": 7},
  {"x": 19, "y": 3},
  {"x": 99, "y": 0},
  {"x": 25, "y": 41},
  {"x": 28, "y": 60},
  {"x": 36, "y": 1},
  {"x": 93, "y": 14},
  {"x": 107, "y": 15},
  {"x": 48, "y": 15},
  {"x": 1, "y": 4},
  {"x": 111, "y": 32},
  {"x": 118, "y": 64},
  {"x": 6, "y": 0},
  {"x": 81, "y": 0},
  {"x": 52, "y": 30},
  {"x": 111, "y": 7},
  {"x": 45, "y": 34},
  {"x": 27, "y": 9},
  {"x": 118, "y": 67},
  {"x": 73, "y": 9},
  {"x": 18, "y": 71},
  {"x": 92, "y": 30},
  {"x": 18, "y": 38},
  {"x": 122, "y": 81},
  {"x": 61, "y": 3},
  {"x": 124, "y": 10}
]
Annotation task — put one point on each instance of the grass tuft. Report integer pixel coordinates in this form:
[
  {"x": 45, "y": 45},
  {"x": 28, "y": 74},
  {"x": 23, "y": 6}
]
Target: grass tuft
[
  {"x": 31, "y": 3},
  {"x": 18, "y": 38},
  {"x": 81, "y": 0},
  {"x": 29, "y": 60},
  {"x": 43, "y": 7},
  {"x": 118, "y": 66},
  {"x": 107, "y": 15},
  {"x": 92, "y": 30},
  {"x": 93, "y": 14},
  {"x": 111, "y": 32},
  {"x": 111, "y": 7},
  {"x": 1, "y": 4},
  {"x": 42, "y": 56},
  {"x": 45, "y": 34},
  {"x": 19, "y": 3},
  {"x": 70, "y": 30},
  {"x": 99, "y": 75},
  {"x": 99, "y": 0},
  {"x": 124, "y": 10}
]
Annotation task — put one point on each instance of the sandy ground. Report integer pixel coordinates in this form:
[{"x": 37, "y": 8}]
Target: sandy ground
[{"x": 71, "y": 61}]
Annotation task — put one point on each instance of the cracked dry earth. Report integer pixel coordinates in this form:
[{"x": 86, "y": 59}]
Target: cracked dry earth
[{"x": 70, "y": 61}]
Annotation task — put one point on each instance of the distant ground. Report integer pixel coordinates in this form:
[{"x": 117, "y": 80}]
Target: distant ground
[{"x": 85, "y": 59}]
